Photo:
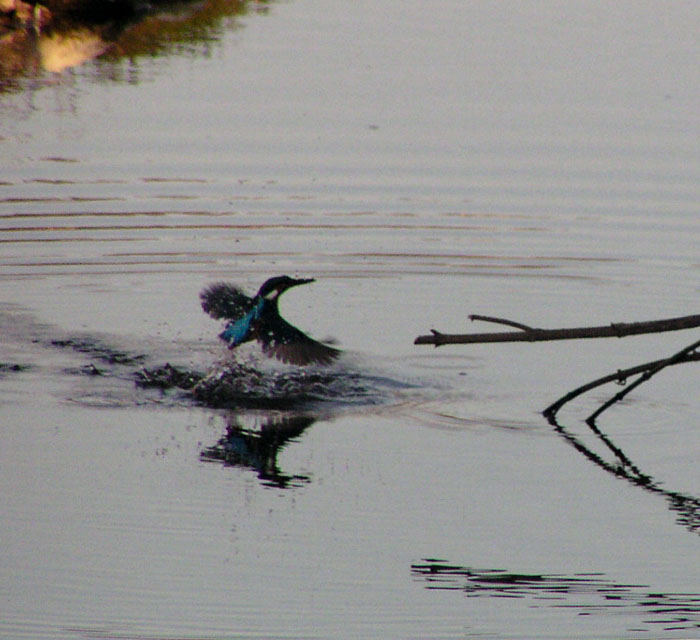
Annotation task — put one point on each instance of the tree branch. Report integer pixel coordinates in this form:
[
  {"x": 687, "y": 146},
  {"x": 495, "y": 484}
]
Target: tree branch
[{"x": 528, "y": 334}]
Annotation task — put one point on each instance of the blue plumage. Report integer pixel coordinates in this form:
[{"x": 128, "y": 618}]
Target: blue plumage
[{"x": 238, "y": 331}]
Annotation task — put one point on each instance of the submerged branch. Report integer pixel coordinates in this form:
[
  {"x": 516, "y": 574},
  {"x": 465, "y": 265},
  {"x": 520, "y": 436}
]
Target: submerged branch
[
  {"x": 681, "y": 356},
  {"x": 528, "y": 334},
  {"x": 620, "y": 377}
]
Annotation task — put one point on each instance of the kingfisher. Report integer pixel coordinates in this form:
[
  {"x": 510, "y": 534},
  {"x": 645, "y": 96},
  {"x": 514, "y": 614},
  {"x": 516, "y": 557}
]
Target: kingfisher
[{"x": 258, "y": 318}]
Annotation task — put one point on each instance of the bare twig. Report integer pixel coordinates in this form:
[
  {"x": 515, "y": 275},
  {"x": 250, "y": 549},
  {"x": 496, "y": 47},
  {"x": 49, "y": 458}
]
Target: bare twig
[
  {"x": 527, "y": 334},
  {"x": 510, "y": 323}
]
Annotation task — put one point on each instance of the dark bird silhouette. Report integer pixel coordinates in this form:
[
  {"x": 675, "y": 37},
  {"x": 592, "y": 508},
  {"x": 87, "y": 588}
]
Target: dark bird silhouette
[{"x": 258, "y": 318}]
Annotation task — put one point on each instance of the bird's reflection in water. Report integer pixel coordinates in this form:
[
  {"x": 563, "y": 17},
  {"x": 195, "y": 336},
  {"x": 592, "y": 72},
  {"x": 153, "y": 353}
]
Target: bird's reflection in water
[{"x": 257, "y": 448}]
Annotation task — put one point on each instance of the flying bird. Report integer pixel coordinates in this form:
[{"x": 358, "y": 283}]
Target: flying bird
[{"x": 258, "y": 318}]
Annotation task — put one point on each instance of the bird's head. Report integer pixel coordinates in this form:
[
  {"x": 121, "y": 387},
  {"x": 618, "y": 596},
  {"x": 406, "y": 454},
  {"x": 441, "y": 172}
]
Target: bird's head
[{"x": 275, "y": 287}]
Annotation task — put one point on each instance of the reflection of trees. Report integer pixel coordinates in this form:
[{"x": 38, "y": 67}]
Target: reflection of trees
[
  {"x": 687, "y": 508},
  {"x": 257, "y": 448},
  {"x": 584, "y": 593},
  {"x": 66, "y": 33},
  {"x": 182, "y": 28}
]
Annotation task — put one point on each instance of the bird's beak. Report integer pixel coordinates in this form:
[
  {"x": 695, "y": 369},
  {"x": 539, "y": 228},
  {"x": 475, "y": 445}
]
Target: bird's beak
[{"x": 299, "y": 281}]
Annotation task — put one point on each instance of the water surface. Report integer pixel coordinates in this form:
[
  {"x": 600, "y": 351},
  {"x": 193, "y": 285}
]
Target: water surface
[{"x": 539, "y": 164}]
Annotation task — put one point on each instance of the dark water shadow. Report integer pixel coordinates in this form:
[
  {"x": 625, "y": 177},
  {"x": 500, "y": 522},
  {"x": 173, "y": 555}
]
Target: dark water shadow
[
  {"x": 685, "y": 507},
  {"x": 8, "y": 368},
  {"x": 583, "y": 593},
  {"x": 57, "y": 35}
]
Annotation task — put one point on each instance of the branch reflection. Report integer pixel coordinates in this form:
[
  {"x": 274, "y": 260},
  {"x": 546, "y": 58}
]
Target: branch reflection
[{"x": 686, "y": 507}]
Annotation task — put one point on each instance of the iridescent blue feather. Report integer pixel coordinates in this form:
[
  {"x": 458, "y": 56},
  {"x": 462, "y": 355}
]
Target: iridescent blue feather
[{"x": 238, "y": 331}]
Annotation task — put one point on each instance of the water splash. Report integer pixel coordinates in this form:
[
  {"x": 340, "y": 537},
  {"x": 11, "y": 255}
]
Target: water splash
[
  {"x": 233, "y": 384},
  {"x": 107, "y": 370}
]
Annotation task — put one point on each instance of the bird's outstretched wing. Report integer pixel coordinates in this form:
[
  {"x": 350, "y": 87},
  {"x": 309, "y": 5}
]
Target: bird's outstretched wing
[
  {"x": 288, "y": 344},
  {"x": 225, "y": 300}
]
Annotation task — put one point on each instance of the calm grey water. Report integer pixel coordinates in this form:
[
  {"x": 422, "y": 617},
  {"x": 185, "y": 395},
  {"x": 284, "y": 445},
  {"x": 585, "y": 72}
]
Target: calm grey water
[{"x": 538, "y": 162}]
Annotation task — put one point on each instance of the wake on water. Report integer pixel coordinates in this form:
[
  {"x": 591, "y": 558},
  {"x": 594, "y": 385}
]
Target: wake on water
[{"x": 139, "y": 371}]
